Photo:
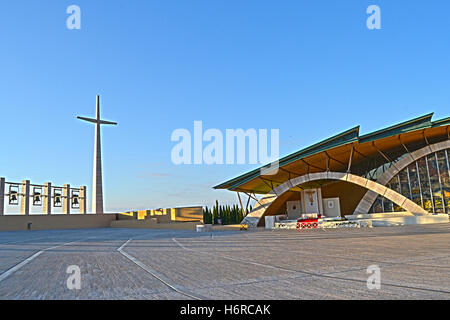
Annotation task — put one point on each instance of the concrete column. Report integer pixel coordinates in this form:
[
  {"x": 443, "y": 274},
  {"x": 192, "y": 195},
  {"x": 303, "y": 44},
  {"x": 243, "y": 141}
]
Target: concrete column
[
  {"x": 302, "y": 201},
  {"x": 2, "y": 196},
  {"x": 25, "y": 203},
  {"x": 66, "y": 199},
  {"x": 47, "y": 202},
  {"x": 83, "y": 199},
  {"x": 97, "y": 181},
  {"x": 320, "y": 200}
]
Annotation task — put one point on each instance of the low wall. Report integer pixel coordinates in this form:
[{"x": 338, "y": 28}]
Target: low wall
[
  {"x": 384, "y": 215},
  {"x": 52, "y": 222},
  {"x": 227, "y": 227},
  {"x": 187, "y": 214},
  {"x": 400, "y": 221},
  {"x": 152, "y": 224},
  {"x": 166, "y": 215}
]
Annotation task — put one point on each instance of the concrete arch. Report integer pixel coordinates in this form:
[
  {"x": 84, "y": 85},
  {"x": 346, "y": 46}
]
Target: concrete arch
[
  {"x": 253, "y": 217},
  {"x": 369, "y": 198}
]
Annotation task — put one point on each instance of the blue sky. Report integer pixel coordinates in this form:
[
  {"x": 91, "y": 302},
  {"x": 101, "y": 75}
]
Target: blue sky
[{"x": 309, "y": 68}]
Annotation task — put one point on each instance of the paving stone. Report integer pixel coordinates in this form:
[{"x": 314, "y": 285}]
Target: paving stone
[{"x": 254, "y": 264}]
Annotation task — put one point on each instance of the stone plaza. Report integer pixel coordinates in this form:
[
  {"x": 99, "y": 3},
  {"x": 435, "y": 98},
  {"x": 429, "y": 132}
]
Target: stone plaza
[{"x": 255, "y": 264}]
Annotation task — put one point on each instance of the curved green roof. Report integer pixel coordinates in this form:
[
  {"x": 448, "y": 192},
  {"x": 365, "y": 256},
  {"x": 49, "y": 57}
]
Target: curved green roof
[{"x": 343, "y": 138}]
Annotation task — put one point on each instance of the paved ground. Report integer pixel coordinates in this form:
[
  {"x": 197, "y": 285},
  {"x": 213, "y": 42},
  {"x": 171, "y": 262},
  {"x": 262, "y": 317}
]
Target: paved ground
[{"x": 168, "y": 264}]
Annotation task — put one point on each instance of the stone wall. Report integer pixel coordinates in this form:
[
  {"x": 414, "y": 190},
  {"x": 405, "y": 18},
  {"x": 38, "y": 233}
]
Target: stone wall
[
  {"x": 166, "y": 215},
  {"x": 55, "y": 221}
]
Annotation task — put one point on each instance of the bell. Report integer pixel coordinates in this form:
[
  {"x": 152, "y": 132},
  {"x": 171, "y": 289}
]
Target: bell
[
  {"x": 57, "y": 200},
  {"x": 75, "y": 201},
  {"x": 36, "y": 199},
  {"x": 13, "y": 198}
]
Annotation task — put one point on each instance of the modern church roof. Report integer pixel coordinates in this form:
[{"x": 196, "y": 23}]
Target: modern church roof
[{"x": 334, "y": 153}]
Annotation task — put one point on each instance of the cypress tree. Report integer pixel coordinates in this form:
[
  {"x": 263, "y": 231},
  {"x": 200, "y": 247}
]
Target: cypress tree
[
  {"x": 205, "y": 214},
  {"x": 228, "y": 214},
  {"x": 214, "y": 215},
  {"x": 209, "y": 215}
]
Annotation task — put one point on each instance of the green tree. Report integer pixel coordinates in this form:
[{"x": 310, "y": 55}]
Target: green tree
[{"x": 214, "y": 215}]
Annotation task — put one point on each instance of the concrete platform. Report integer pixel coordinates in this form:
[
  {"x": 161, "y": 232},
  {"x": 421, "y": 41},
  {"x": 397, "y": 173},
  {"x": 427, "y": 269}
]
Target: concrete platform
[
  {"x": 378, "y": 215},
  {"x": 398, "y": 219},
  {"x": 256, "y": 264},
  {"x": 401, "y": 221}
]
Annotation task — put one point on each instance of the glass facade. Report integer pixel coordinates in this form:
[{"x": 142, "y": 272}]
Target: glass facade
[{"x": 426, "y": 182}]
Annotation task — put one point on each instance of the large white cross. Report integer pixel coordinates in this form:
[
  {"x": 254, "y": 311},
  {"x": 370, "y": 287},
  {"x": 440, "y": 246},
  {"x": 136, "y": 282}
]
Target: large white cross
[{"x": 97, "y": 180}]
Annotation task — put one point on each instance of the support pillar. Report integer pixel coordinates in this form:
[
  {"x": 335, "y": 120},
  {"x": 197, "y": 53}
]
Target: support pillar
[
  {"x": 240, "y": 202},
  {"x": 2, "y": 196},
  {"x": 25, "y": 203},
  {"x": 66, "y": 199},
  {"x": 47, "y": 205},
  {"x": 246, "y": 207},
  {"x": 319, "y": 201},
  {"x": 350, "y": 160},
  {"x": 83, "y": 199}
]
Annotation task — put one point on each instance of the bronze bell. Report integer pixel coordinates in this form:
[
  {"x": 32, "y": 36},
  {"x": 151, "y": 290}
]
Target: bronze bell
[
  {"x": 36, "y": 199},
  {"x": 13, "y": 198}
]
